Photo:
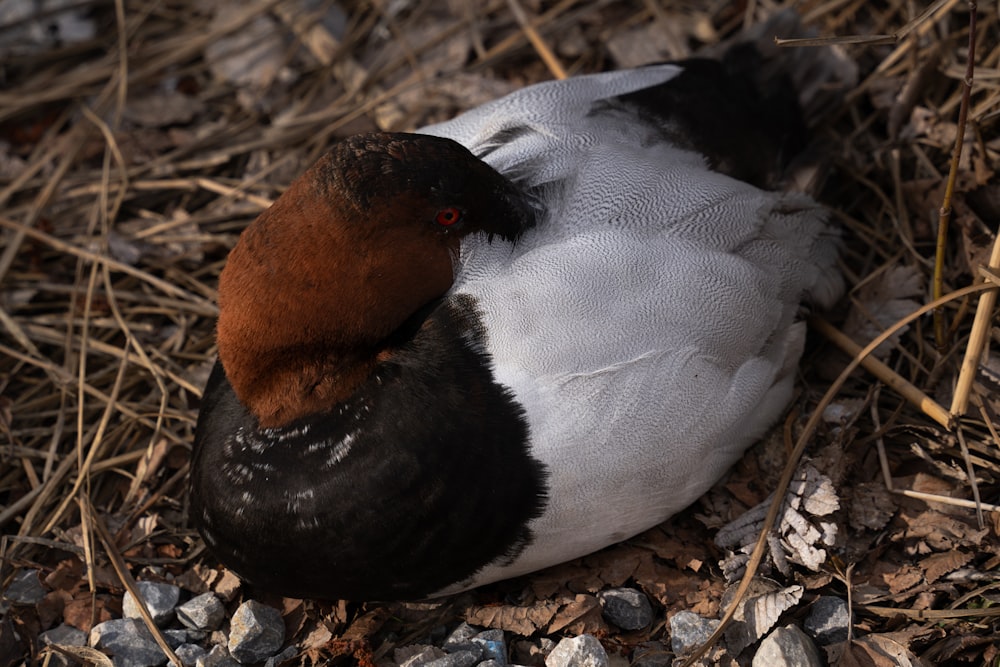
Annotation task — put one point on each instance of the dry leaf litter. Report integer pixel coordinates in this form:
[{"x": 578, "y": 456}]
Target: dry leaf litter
[{"x": 136, "y": 141}]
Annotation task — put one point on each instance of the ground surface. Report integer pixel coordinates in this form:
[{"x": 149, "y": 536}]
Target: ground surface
[{"x": 136, "y": 141}]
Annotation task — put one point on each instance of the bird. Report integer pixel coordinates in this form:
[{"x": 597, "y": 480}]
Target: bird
[{"x": 507, "y": 340}]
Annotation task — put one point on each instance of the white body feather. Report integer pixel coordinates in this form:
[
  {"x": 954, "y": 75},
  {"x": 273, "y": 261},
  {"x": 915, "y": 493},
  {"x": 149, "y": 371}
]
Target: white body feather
[{"x": 647, "y": 323}]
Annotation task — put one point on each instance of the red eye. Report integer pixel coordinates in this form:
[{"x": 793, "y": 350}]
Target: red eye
[{"x": 448, "y": 216}]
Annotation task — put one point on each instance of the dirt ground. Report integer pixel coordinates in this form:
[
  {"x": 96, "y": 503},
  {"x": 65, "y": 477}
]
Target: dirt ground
[{"x": 137, "y": 139}]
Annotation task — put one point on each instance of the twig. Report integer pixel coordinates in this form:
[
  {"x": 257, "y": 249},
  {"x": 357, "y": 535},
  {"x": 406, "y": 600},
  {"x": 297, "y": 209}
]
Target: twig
[
  {"x": 546, "y": 54},
  {"x": 944, "y": 214},
  {"x": 868, "y": 40},
  {"x": 906, "y": 389},
  {"x": 978, "y": 337}
]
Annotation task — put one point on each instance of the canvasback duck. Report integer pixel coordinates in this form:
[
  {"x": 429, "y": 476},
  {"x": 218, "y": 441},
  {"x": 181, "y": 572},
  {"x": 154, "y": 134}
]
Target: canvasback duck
[{"x": 508, "y": 340}]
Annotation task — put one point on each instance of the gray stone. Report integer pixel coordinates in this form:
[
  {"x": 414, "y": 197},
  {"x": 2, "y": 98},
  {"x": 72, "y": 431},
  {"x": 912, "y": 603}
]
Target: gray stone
[
  {"x": 129, "y": 641},
  {"x": 688, "y": 631},
  {"x": 417, "y": 655},
  {"x": 787, "y": 647},
  {"x": 652, "y": 654},
  {"x": 828, "y": 620},
  {"x": 203, "y": 613},
  {"x": 286, "y": 655},
  {"x": 189, "y": 654},
  {"x": 160, "y": 600},
  {"x": 460, "y": 635},
  {"x": 64, "y": 635},
  {"x": 456, "y": 659},
  {"x": 217, "y": 657},
  {"x": 494, "y": 646},
  {"x": 175, "y": 638},
  {"x": 468, "y": 647},
  {"x": 26, "y": 589},
  {"x": 627, "y": 608},
  {"x": 582, "y": 651},
  {"x": 256, "y": 632}
]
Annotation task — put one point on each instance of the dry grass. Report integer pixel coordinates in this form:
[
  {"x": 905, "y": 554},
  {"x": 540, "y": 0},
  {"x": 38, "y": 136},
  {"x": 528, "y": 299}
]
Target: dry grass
[{"x": 128, "y": 168}]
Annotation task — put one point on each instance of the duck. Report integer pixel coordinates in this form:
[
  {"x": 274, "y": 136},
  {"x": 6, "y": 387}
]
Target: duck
[{"x": 507, "y": 340}]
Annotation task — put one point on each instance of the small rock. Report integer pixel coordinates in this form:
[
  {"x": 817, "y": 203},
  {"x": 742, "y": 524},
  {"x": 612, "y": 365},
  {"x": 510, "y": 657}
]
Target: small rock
[
  {"x": 688, "y": 631},
  {"x": 26, "y": 589},
  {"x": 828, "y": 620},
  {"x": 627, "y": 608},
  {"x": 787, "y": 647},
  {"x": 64, "y": 635},
  {"x": 203, "y": 613},
  {"x": 415, "y": 655},
  {"x": 189, "y": 654},
  {"x": 582, "y": 651},
  {"x": 494, "y": 646},
  {"x": 217, "y": 657},
  {"x": 160, "y": 600},
  {"x": 129, "y": 641},
  {"x": 218, "y": 638},
  {"x": 652, "y": 654},
  {"x": 460, "y": 635},
  {"x": 256, "y": 632},
  {"x": 468, "y": 647},
  {"x": 456, "y": 659},
  {"x": 286, "y": 655},
  {"x": 175, "y": 638}
]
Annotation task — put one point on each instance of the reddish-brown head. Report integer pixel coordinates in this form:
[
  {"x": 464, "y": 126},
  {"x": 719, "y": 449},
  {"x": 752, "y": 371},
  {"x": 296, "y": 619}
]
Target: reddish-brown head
[{"x": 355, "y": 246}]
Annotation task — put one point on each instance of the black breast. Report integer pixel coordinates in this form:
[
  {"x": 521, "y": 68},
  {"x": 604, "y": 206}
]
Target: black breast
[{"x": 422, "y": 478}]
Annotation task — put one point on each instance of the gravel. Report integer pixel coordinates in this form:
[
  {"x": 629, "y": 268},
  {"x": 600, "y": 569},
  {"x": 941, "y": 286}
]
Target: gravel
[
  {"x": 828, "y": 620},
  {"x": 688, "y": 631},
  {"x": 787, "y": 647},
  {"x": 26, "y": 589},
  {"x": 160, "y": 600},
  {"x": 627, "y": 608},
  {"x": 202, "y": 613},
  {"x": 64, "y": 635},
  {"x": 129, "y": 642},
  {"x": 256, "y": 632},
  {"x": 582, "y": 651}
]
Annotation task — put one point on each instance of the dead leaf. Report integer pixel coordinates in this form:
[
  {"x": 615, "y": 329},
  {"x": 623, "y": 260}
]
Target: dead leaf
[
  {"x": 316, "y": 638},
  {"x": 940, "y": 531},
  {"x": 882, "y": 301},
  {"x": 683, "y": 548},
  {"x": 938, "y": 565},
  {"x": 877, "y": 651},
  {"x": 227, "y": 586},
  {"x": 902, "y": 578},
  {"x": 83, "y": 654},
  {"x": 366, "y": 625},
  {"x": 758, "y": 612},
  {"x": 870, "y": 506},
  {"x": 519, "y": 620},
  {"x": 581, "y": 616},
  {"x": 82, "y": 610},
  {"x": 799, "y": 534}
]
